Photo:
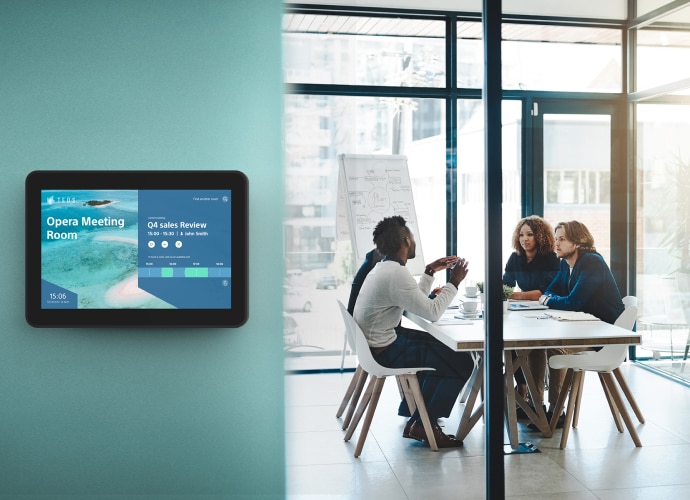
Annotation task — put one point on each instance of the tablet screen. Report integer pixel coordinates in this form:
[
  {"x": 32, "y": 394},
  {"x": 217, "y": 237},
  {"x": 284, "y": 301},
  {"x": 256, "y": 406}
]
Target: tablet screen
[{"x": 133, "y": 248}]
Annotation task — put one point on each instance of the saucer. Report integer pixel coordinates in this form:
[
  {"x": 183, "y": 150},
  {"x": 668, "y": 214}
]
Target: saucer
[
  {"x": 471, "y": 296},
  {"x": 469, "y": 315}
]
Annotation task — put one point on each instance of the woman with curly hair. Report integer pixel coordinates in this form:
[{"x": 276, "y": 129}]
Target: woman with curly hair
[
  {"x": 532, "y": 267},
  {"x": 534, "y": 264}
]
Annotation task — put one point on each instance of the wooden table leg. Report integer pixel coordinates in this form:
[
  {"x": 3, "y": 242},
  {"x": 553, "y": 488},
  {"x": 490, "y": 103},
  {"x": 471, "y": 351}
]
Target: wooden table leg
[
  {"x": 470, "y": 418},
  {"x": 536, "y": 415}
]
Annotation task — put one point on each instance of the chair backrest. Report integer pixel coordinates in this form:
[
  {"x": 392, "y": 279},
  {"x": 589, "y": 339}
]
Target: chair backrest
[
  {"x": 366, "y": 359},
  {"x": 349, "y": 331},
  {"x": 611, "y": 356},
  {"x": 630, "y": 300},
  {"x": 629, "y": 315}
]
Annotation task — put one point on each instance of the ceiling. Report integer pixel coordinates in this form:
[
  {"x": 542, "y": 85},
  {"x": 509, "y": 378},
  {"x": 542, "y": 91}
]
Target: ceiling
[
  {"x": 425, "y": 28},
  {"x": 395, "y": 26}
]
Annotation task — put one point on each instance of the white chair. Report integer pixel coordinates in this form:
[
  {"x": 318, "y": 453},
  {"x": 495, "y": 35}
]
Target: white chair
[
  {"x": 606, "y": 363},
  {"x": 406, "y": 376},
  {"x": 626, "y": 321},
  {"x": 354, "y": 389}
]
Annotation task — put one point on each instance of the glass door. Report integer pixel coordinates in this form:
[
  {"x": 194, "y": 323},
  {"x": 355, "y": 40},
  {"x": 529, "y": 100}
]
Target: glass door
[{"x": 572, "y": 166}]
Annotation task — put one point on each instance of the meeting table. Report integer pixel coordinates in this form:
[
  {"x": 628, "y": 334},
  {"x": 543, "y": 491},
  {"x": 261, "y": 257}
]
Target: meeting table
[{"x": 522, "y": 332}]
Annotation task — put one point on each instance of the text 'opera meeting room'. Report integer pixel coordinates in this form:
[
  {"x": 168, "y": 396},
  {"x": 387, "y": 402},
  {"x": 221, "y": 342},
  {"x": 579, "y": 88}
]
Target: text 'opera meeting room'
[{"x": 487, "y": 205}]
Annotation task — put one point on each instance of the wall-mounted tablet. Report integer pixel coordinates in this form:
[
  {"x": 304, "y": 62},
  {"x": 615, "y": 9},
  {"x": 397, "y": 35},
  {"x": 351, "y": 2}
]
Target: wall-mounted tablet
[{"x": 136, "y": 248}]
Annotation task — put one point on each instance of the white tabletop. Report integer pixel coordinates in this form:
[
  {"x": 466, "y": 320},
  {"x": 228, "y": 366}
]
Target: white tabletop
[{"x": 524, "y": 330}]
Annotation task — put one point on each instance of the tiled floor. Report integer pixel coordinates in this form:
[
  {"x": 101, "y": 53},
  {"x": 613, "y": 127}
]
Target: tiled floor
[{"x": 597, "y": 463}]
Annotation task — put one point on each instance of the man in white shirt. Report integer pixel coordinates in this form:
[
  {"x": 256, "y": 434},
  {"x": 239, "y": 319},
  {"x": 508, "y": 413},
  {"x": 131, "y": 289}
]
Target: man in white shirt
[{"x": 388, "y": 290}]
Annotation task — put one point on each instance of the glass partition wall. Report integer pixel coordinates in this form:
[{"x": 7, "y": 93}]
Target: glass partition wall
[
  {"x": 661, "y": 104},
  {"x": 410, "y": 84},
  {"x": 356, "y": 85}
]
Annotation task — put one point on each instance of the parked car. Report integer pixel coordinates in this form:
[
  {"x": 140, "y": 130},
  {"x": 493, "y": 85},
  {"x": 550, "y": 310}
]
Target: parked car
[
  {"x": 291, "y": 335},
  {"x": 294, "y": 299},
  {"x": 327, "y": 282}
]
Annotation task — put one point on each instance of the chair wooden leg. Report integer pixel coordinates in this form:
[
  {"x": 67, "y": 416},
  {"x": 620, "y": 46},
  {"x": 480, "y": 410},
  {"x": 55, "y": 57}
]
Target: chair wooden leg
[
  {"x": 578, "y": 401},
  {"x": 628, "y": 394},
  {"x": 400, "y": 388},
  {"x": 361, "y": 408},
  {"x": 574, "y": 394},
  {"x": 376, "y": 393},
  {"x": 615, "y": 412},
  {"x": 406, "y": 392},
  {"x": 411, "y": 382},
  {"x": 610, "y": 382},
  {"x": 355, "y": 398},
  {"x": 348, "y": 392}
]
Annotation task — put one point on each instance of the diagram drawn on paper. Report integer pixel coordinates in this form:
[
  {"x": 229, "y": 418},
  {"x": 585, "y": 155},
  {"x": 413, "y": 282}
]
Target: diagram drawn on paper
[{"x": 372, "y": 187}]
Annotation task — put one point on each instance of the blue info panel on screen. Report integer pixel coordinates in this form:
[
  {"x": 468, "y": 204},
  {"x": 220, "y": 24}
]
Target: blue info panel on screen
[
  {"x": 184, "y": 247},
  {"x": 147, "y": 249}
]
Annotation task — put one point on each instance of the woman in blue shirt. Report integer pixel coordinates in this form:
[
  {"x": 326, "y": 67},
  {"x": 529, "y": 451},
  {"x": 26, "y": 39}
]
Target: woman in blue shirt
[{"x": 532, "y": 267}]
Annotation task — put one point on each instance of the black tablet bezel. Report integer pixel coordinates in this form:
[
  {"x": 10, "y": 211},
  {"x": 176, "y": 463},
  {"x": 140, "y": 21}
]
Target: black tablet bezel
[{"x": 236, "y": 181}]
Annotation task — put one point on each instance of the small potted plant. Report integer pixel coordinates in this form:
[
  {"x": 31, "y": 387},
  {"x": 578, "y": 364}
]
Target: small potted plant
[
  {"x": 507, "y": 291},
  {"x": 480, "y": 289}
]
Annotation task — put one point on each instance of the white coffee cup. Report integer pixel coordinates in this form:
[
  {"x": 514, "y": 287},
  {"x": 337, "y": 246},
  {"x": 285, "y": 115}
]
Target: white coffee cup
[
  {"x": 469, "y": 307},
  {"x": 471, "y": 291}
]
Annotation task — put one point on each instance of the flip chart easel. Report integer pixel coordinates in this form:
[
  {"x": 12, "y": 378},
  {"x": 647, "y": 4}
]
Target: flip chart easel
[{"x": 371, "y": 187}]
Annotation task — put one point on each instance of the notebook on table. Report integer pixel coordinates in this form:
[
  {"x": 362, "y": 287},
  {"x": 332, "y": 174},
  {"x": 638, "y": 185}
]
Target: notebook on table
[
  {"x": 525, "y": 305},
  {"x": 571, "y": 316}
]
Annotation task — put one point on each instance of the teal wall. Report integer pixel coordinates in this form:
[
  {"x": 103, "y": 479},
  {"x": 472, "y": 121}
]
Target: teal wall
[{"x": 142, "y": 84}]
